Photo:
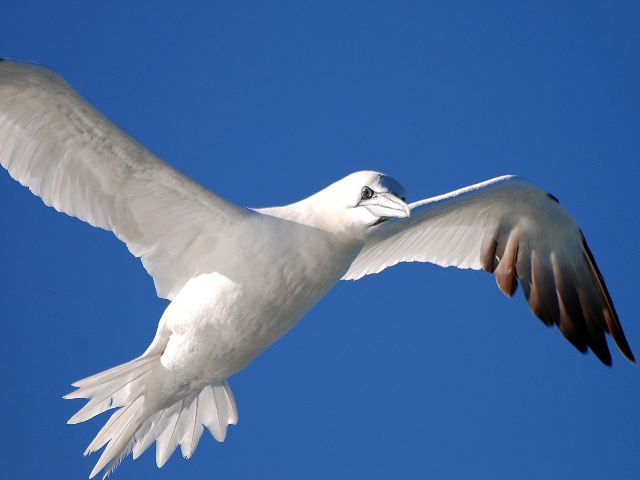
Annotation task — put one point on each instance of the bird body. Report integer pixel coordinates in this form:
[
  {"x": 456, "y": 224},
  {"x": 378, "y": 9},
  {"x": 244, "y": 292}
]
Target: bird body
[
  {"x": 229, "y": 319},
  {"x": 218, "y": 323},
  {"x": 240, "y": 278}
]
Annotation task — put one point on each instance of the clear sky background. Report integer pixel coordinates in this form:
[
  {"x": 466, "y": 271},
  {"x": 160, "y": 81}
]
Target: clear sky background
[{"x": 420, "y": 372}]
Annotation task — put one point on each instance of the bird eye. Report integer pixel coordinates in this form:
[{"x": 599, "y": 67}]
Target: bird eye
[{"x": 367, "y": 193}]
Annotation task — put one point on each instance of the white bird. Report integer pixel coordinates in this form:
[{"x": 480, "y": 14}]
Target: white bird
[{"x": 239, "y": 278}]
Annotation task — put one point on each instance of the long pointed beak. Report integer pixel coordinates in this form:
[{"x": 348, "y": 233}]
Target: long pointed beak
[{"x": 387, "y": 205}]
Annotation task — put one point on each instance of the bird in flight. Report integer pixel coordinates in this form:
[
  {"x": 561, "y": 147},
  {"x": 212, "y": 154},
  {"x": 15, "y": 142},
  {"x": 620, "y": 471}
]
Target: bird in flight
[{"x": 239, "y": 278}]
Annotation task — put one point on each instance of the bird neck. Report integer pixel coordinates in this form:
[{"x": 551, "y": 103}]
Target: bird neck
[{"x": 315, "y": 214}]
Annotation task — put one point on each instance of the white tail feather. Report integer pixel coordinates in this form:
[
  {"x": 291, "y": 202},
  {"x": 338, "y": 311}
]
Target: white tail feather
[
  {"x": 119, "y": 436},
  {"x": 232, "y": 408},
  {"x": 133, "y": 428},
  {"x": 167, "y": 441},
  {"x": 190, "y": 442},
  {"x": 112, "y": 388},
  {"x": 108, "y": 375}
]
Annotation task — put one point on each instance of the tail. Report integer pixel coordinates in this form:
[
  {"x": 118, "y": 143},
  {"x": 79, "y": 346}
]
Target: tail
[{"x": 133, "y": 428}]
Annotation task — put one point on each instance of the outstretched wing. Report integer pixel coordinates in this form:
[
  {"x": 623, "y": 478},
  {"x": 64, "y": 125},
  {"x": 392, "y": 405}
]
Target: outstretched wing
[
  {"x": 510, "y": 228},
  {"x": 78, "y": 162}
]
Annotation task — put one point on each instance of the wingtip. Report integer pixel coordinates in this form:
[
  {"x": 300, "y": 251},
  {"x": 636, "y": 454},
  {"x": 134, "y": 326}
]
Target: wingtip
[
  {"x": 630, "y": 358},
  {"x": 623, "y": 344},
  {"x": 621, "y": 341},
  {"x": 605, "y": 358},
  {"x": 613, "y": 325},
  {"x": 616, "y": 332}
]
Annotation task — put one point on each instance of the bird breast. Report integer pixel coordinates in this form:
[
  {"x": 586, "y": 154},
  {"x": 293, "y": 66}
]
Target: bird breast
[{"x": 220, "y": 321}]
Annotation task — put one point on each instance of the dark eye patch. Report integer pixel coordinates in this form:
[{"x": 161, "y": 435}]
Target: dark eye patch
[{"x": 367, "y": 193}]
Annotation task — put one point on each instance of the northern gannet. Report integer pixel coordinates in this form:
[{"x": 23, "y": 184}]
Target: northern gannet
[{"x": 239, "y": 278}]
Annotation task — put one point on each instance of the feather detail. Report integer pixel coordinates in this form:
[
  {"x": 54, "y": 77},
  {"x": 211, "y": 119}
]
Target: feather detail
[
  {"x": 115, "y": 387},
  {"x": 133, "y": 428}
]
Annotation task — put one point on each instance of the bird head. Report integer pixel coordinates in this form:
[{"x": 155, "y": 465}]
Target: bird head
[{"x": 364, "y": 200}]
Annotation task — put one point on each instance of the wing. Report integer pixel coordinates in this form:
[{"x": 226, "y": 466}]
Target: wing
[
  {"x": 511, "y": 228},
  {"x": 78, "y": 162}
]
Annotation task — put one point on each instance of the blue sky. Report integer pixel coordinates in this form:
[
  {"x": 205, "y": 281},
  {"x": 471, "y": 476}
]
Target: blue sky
[{"x": 418, "y": 372}]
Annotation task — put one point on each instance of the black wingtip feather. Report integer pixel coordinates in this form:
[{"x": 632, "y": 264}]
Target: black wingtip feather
[
  {"x": 611, "y": 316},
  {"x": 598, "y": 343},
  {"x": 603, "y": 354}
]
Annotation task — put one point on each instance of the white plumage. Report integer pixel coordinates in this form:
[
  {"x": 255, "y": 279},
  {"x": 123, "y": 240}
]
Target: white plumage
[{"x": 240, "y": 278}]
